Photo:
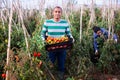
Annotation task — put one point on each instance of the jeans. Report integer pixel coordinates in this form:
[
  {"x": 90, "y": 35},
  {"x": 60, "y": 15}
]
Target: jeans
[{"x": 60, "y": 56}]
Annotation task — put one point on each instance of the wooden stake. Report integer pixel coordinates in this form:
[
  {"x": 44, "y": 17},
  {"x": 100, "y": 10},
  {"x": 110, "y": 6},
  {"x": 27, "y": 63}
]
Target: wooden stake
[
  {"x": 9, "y": 40},
  {"x": 92, "y": 16},
  {"x": 24, "y": 30},
  {"x": 81, "y": 23}
]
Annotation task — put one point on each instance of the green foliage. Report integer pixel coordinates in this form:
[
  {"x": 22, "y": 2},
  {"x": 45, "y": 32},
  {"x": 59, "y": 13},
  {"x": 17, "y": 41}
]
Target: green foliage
[
  {"x": 26, "y": 68},
  {"x": 2, "y": 63},
  {"x": 3, "y": 37},
  {"x": 48, "y": 13},
  {"x": 36, "y": 43},
  {"x": 78, "y": 59},
  {"x": 70, "y": 79},
  {"x": 75, "y": 20},
  {"x": 3, "y": 46},
  {"x": 30, "y": 67},
  {"x": 17, "y": 38},
  {"x": 109, "y": 53},
  {"x": 30, "y": 23},
  {"x": 100, "y": 42}
]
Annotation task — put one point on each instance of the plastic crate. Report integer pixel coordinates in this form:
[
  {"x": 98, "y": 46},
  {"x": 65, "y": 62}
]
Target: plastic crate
[{"x": 59, "y": 46}]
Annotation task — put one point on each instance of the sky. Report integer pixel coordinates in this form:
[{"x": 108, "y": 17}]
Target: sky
[
  {"x": 35, "y": 3},
  {"x": 59, "y": 2}
]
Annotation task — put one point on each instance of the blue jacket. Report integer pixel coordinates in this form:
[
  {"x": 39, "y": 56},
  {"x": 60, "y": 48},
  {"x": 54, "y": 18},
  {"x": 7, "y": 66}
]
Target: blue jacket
[{"x": 105, "y": 33}]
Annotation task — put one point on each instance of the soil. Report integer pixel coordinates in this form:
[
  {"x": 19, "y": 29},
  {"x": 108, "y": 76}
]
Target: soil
[
  {"x": 97, "y": 75},
  {"x": 104, "y": 77}
]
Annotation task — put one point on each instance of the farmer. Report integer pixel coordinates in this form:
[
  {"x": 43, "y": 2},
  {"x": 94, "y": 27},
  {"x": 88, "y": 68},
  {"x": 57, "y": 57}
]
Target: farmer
[
  {"x": 100, "y": 32},
  {"x": 56, "y": 27}
]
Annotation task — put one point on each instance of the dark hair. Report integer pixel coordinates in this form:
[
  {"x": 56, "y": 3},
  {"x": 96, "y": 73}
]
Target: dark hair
[
  {"x": 96, "y": 28},
  {"x": 57, "y": 7}
]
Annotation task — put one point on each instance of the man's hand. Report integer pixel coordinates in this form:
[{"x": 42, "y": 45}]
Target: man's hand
[
  {"x": 96, "y": 52},
  {"x": 73, "y": 40},
  {"x": 116, "y": 40}
]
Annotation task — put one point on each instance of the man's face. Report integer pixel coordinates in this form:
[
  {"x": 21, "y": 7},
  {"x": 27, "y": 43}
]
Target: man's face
[
  {"x": 57, "y": 13},
  {"x": 99, "y": 32}
]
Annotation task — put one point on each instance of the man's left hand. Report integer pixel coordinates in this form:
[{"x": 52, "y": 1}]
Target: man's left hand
[
  {"x": 116, "y": 40},
  {"x": 96, "y": 52}
]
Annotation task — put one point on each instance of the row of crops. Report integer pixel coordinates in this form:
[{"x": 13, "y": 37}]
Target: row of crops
[{"x": 31, "y": 62}]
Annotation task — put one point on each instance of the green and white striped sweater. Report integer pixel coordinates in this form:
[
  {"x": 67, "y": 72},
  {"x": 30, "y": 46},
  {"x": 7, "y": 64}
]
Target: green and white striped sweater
[{"x": 55, "y": 29}]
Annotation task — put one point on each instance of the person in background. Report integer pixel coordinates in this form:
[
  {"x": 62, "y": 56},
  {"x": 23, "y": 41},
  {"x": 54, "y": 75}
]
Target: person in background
[
  {"x": 56, "y": 27},
  {"x": 100, "y": 32}
]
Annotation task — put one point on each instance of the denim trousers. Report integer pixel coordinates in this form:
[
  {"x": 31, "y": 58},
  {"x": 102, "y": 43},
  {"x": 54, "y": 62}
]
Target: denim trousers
[{"x": 60, "y": 56}]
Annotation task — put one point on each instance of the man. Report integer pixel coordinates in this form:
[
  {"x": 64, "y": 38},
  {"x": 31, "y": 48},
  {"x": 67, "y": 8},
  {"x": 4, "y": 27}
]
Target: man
[
  {"x": 56, "y": 27},
  {"x": 100, "y": 32}
]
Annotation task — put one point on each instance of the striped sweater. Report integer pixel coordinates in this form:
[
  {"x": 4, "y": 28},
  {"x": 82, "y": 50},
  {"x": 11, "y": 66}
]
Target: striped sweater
[{"x": 55, "y": 29}]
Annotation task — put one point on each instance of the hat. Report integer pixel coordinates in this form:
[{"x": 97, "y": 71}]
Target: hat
[{"x": 95, "y": 29}]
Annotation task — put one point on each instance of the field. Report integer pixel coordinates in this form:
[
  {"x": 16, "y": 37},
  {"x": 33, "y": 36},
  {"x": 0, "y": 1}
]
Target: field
[{"x": 23, "y": 55}]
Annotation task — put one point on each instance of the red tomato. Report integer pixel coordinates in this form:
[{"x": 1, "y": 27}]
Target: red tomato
[
  {"x": 61, "y": 46},
  {"x": 39, "y": 54},
  {"x": 57, "y": 47},
  {"x": 35, "y": 54},
  {"x": 52, "y": 47},
  {"x": 3, "y": 75},
  {"x": 65, "y": 46}
]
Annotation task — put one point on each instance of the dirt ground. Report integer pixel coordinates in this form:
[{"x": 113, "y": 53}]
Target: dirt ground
[
  {"x": 104, "y": 77},
  {"x": 97, "y": 75}
]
